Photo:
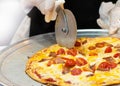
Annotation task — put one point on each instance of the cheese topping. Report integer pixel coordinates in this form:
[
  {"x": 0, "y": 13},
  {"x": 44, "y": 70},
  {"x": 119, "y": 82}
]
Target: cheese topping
[{"x": 92, "y": 62}]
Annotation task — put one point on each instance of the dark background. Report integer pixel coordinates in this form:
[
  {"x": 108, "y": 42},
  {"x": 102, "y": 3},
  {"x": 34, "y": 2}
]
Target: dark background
[{"x": 86, "y": 13}]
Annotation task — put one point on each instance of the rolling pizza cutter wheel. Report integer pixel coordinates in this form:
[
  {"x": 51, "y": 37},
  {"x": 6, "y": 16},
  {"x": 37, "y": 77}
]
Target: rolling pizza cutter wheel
[{"x": 65, "y": 28}]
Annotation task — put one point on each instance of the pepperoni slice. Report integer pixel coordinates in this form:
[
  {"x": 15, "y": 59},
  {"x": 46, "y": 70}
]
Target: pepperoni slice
[
  {"x": 108, "y": 49},
  {"x": 70, "y": 63},
  {"x": 50, "y": 80},
  {"x": 91, "y": 47},
  {"x": 106, "y": 66},
  {"x": 113, "y": 65},
  {"x": 116, "y": 55},
  {"x": 69, "y": 82},
  {"x": 77, "y": 44},
  {"x": 72, "y": 52},
  {"x": 81, "y": 61},
  {"x": 76, "y": 71},
  {"x": 100, "y": 45},
  {"x": 60, "y": 51}
]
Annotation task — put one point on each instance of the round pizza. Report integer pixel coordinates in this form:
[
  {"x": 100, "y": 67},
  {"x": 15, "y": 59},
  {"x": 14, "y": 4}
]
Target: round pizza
[{"x": 91, "y": 62}]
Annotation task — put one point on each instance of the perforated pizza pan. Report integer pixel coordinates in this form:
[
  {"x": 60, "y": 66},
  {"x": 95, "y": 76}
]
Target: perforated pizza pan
[{"x": 13, "y": 59}]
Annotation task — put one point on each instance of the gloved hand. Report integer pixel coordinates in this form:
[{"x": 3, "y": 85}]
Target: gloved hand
[
  {"x": 110, "y": 17},
  {"x": 47, "y": 7}
]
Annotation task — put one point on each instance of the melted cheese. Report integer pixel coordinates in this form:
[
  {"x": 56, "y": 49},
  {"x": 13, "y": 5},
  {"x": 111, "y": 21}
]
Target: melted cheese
[
  {"x": 106, "y": 76},
  {"x": 55, "y": 71}
]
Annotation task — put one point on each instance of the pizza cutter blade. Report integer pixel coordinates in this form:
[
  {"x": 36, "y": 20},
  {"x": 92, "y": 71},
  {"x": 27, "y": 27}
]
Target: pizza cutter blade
[{"x": 65, "y": 28}]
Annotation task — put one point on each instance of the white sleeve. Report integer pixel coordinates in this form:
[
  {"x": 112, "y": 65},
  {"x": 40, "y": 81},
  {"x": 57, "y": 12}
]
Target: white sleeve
[
  {"x": 12, "y": 23},
  {"x": 27, "y": 5},
  {"x": 22, "y": 32}
]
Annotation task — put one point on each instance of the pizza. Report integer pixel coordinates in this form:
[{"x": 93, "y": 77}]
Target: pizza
[{"x": 91, "y": 62}]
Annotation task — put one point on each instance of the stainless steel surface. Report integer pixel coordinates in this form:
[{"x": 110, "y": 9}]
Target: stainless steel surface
[
  {"x": 14, "y": 58},
  {"x": 65, "y": 28}
]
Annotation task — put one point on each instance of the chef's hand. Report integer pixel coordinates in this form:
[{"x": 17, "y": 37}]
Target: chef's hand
[
  {"x": 110, "y": 17},
  {"x": 47, "y": 7}
]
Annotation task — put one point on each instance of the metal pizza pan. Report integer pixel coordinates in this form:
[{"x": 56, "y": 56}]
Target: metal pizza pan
[{"x": 13, "y": 59}]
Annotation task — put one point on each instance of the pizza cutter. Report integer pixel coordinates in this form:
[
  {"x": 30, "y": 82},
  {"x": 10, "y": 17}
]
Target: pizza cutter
[{"x": 65, "y": 28}]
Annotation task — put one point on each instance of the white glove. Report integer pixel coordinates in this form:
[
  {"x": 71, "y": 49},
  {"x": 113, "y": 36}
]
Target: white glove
[
  {"x": 47, "y": 7},
  {"x": 110, "y": 17}
]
